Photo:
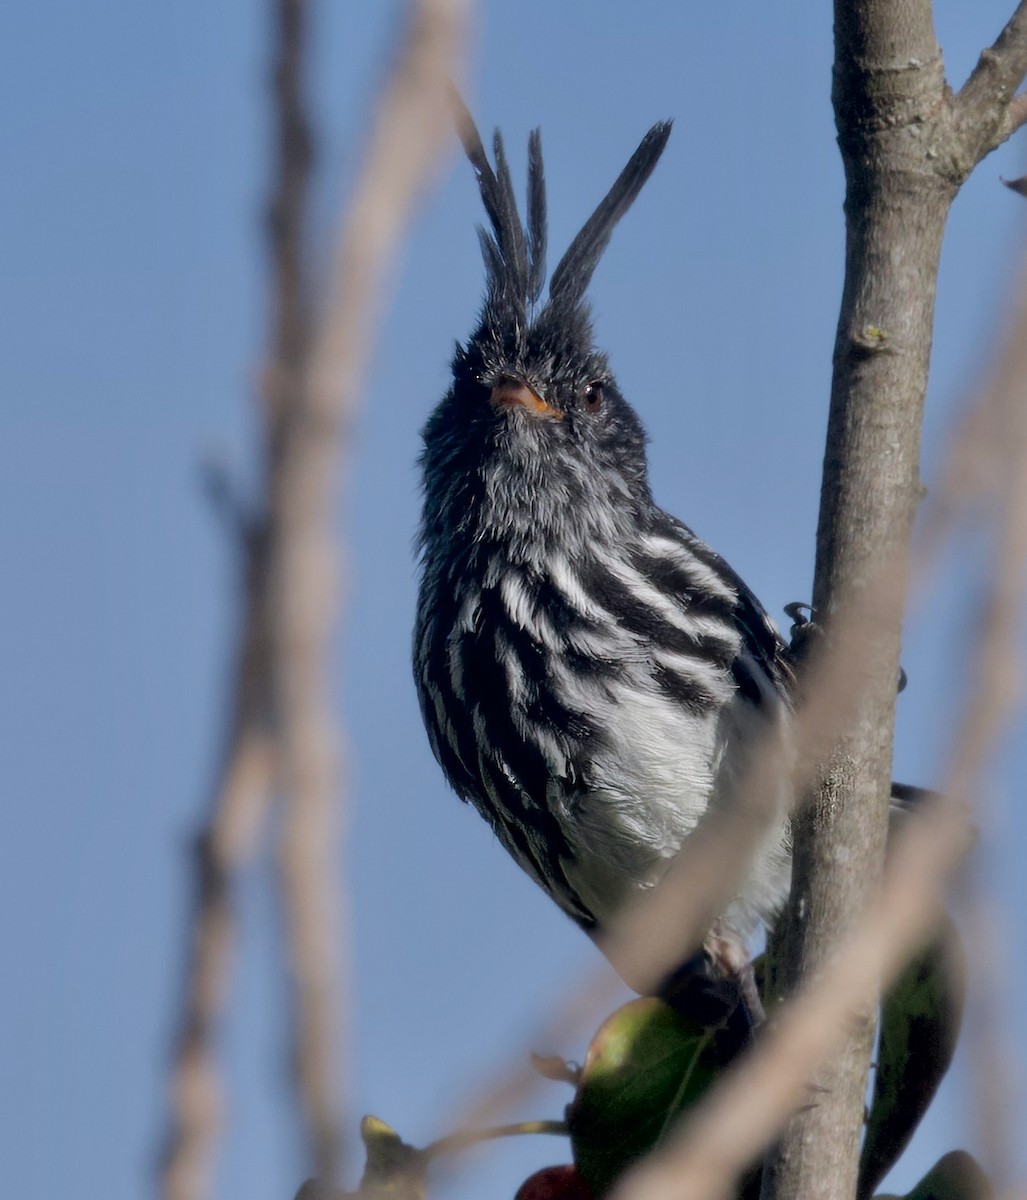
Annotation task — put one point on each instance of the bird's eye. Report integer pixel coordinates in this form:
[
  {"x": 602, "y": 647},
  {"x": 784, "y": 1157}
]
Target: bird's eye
[{"x": 593, "y": 397}]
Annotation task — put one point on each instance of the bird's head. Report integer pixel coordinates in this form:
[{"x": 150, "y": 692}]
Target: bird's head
[{"x": 534, "y": 436}]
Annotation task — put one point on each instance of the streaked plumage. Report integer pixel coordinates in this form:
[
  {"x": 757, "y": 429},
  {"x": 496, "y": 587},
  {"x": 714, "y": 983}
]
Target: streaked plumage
[{"x": 590, "y": 673}]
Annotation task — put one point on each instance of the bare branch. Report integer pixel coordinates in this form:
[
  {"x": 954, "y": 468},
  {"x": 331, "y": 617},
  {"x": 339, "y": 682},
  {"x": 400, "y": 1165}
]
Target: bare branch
[
  {"x": 247, "y": 778},
  {"x": 1016, "y": 116},
  {"x": 408, "y": 134},
  {"x": 287, "y": 210},
  {"x": 984, "y": 106},
  {"x": 906, "y": 149},
  {"x": 1014, "y": 119},
  {"x": 887, "y": 67},
  {"x": 282, "y": 730},
  {"x": 410, "y": 128},
  {"x": 888, "y": 87},
  {"x": 240, "y": 800}
]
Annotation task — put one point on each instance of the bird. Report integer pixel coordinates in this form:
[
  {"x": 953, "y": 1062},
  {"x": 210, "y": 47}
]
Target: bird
[{"x": 591, "y": 675}]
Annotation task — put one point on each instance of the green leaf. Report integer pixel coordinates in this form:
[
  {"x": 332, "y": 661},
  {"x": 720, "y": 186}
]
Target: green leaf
[
  {"x": 646, "y": 1065},
  {"x": 920, "y": 1019},
  {"x": 956, "y": 1176}
]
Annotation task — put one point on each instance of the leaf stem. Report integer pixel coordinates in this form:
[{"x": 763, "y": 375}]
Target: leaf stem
[{"x": 455, "y": 1142}]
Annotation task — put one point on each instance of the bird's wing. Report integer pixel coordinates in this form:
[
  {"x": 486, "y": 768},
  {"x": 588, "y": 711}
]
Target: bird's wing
[{"x": 761, "y": 641}]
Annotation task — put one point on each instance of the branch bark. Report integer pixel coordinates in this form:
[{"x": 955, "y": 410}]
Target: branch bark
[{"x": 907, "y": 144}]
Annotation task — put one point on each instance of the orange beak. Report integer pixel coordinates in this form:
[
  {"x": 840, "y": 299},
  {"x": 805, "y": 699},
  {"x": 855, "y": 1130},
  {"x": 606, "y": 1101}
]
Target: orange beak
[{"x": 511, "y": 393}]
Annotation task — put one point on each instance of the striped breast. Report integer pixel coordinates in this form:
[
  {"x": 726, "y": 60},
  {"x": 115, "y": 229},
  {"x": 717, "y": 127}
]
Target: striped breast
[{"x": 577, "y": 702}]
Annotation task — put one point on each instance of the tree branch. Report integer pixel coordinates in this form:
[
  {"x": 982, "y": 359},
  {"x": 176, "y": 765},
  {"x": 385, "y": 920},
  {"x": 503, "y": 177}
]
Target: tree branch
[
  {"x": 1016, "y": 116},
  {"x": 889, "y": 89},
  {"x": 408, "y": 132},
  {"x": 246, "y": 779},
  {"x": 985, "y": 105},
  {"x": 282, "y": 735},
  {"x": 240, "y": 798},
  {"x": 300, "y": 582}
]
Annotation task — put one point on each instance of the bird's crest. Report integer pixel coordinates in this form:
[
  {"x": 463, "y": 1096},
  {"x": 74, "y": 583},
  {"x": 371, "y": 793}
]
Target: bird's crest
[{"x": 515, "y": 257}]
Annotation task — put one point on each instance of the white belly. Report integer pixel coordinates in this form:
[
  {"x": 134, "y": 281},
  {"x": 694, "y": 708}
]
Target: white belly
[{"x": 649, "y": 788}]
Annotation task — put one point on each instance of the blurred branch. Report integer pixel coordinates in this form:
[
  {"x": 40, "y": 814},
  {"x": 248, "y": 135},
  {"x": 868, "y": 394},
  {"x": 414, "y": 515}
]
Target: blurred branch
[
  {"x": 1002, "y": 425},
  {"x": 282, "y": 728},
  {"x": 408, "y": 132},
  {"x": 300, "y": 585},
  {"x": 247, "y": 779},
  {"x": 996, "y": 479},
  {"x": 241, "y": 796},
  {"x": 752, "y": 1104}
]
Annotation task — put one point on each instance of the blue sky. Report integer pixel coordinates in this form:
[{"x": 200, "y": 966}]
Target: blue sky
[{"x": 134, "y": 307}]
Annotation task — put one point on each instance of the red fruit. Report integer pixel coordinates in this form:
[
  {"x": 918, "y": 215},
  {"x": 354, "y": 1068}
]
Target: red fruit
[{"x": 554, "y": 1183}]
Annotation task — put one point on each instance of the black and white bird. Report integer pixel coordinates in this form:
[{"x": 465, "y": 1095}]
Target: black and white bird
[{"x": 590, "y": 673}]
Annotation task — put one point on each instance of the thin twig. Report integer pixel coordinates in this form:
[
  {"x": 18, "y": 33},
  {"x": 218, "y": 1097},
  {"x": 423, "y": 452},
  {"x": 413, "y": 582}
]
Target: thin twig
[
  {"x": 240, "y": 799},
  {"x": 453, "y": 1143},
  {"x": 985, "y": 106},
  {"x": 1004, "y": 411},
  {"x": 1016, "y": 115},
  {"x": 407, "y": 135}
]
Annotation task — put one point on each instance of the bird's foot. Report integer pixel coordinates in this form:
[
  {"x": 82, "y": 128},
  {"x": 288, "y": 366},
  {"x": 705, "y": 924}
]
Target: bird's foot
[
  {"x": 725, "y": 1001},
  {"x": 804, "y": 633}
]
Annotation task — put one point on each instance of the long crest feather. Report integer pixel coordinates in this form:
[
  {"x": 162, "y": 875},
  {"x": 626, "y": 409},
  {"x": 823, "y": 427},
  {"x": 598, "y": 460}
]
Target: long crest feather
[
  {"x": 515, "y": 258},
  {"x": 575, "y": 269},
  {"x": 515, "y": 249},
  {"x": 537, "y": 227},
  {"x": 512, "y": 263}
]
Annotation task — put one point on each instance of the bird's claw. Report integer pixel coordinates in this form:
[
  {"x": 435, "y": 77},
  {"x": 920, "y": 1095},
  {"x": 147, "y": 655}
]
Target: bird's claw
[
  {"x": 728, "y": 1002},
  {"x": 804, "y": 631}
]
